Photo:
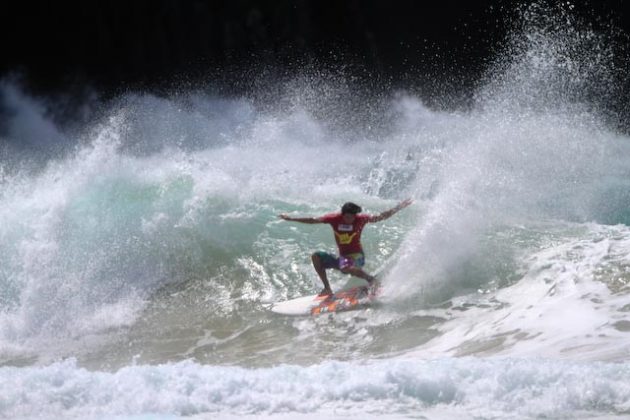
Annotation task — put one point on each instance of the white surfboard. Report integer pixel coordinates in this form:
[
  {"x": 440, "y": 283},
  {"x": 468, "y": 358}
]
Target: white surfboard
[
  {"x": 297, "y": 306},
  {"x": 343, "y": 300}
]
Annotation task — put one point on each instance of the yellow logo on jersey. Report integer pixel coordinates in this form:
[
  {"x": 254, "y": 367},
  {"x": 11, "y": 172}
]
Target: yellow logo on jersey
[{"x": 345, "y": 238}]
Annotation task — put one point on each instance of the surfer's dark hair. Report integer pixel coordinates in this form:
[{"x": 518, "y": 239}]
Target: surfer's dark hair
[{"x": 350, "y": 208}]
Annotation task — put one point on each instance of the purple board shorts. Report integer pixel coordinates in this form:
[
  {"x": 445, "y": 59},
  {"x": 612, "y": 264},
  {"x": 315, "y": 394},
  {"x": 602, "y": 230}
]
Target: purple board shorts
[{"x": 346, "y": 261}]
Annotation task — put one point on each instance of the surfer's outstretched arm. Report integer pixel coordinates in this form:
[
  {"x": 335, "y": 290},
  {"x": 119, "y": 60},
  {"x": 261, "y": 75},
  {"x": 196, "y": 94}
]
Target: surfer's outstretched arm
[
  {"x": 389, "y": 213},
  {"x": 307, "y": 220}
]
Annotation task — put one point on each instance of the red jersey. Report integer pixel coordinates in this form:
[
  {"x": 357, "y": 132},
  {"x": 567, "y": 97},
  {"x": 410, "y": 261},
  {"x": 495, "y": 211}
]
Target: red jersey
[{"x": 347, "y": 236}]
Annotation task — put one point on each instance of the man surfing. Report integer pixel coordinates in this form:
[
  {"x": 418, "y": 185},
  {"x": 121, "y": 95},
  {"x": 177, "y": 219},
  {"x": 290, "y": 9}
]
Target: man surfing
[{"x": 347, "y": 226}]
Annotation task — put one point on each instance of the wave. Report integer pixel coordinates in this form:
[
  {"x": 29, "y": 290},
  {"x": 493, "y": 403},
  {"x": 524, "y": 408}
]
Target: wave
[
  {"x": 160, "y": 213},
  {"x": 398, "y": 388}
]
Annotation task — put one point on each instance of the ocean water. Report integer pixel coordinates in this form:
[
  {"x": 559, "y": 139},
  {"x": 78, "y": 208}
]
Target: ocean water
[{"x": 141, "y": 247}]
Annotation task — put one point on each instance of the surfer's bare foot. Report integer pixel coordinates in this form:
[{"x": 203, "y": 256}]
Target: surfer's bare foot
[
  {"x": 325, "y": 292},
  {"x": 374, "y": 284}
]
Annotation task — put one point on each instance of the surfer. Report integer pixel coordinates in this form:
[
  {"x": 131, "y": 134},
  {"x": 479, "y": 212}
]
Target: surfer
[{"x": 347, "y": 226}]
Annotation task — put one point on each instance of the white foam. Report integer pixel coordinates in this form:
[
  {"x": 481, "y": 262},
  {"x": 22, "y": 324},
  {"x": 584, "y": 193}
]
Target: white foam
[
  {"x": 558, "y": 309},
  {"x": 406, "y": 387}
]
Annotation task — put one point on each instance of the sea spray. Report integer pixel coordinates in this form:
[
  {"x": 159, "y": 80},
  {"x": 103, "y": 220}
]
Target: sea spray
[{"x": 536, "y": 145}]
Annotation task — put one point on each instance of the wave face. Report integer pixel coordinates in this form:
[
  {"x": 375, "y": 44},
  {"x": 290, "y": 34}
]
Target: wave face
[{"x": 141, "y": 246}]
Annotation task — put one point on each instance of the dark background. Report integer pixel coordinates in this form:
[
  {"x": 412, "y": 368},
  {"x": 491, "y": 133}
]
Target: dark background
[{"x": 115, "y": 46}]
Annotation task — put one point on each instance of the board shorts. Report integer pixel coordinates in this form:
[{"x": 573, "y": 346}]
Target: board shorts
[{"x": 347, "y": 261}]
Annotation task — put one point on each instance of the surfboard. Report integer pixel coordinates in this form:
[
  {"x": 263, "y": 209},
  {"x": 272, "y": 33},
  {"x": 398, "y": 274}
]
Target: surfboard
[{"x": 344, "y": 300}]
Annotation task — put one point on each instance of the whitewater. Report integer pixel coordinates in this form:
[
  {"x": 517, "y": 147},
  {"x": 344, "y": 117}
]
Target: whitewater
[{"x": 141, "y": 246}]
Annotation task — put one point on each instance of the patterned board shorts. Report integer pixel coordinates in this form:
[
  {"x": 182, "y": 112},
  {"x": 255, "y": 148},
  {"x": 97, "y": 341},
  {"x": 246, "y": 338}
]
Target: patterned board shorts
[{"x": 347, "y": 261}]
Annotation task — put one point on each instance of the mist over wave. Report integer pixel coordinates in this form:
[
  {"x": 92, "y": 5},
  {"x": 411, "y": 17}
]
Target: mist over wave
[{"x": 536, "y": 145}]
